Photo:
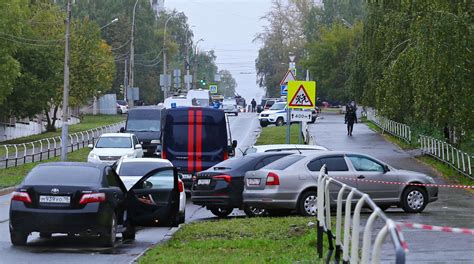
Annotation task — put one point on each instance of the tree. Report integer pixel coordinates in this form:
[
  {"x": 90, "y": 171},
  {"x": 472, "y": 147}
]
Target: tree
[{"x": 227, "y": 84}]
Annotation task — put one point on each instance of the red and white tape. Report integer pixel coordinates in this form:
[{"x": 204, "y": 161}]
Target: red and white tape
[
  {"x": 411, "y": 184},
  {"x": 446, "y": 229}
]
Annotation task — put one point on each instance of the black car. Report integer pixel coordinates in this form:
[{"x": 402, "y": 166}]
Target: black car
[
  {"x": 220, "y": 187},
  {"x": 88, "y": 199}
]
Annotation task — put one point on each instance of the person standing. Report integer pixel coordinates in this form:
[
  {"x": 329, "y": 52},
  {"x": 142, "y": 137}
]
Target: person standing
[
  {"x": 254, "y": 105},
  {"x": 350, "y": 118}
]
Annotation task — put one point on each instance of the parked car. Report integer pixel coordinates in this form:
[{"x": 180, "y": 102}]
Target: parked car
[
  {"x": 110, "y": 147},
  {"x": 274, "y": 115},
  {"x": 131, "y": 171},
  {"x": 146, "y": 123},
  {"x": 195, "y": 139},
  {"x": 90, "y": 200},
  {"x": 220, "y": 187},
  {"x": 290, "y": 183},
  {"x": 230, "y": 106},
  {"x": 122, "y": 107},
  {"x": 294, "y": 148},
  {"x": 266, "y": 103}
]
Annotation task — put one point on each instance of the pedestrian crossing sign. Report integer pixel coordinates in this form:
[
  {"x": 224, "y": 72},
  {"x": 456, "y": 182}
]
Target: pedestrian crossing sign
[
  {"x": 213, "y": 89},
  {"x": 301, "y": 94}
]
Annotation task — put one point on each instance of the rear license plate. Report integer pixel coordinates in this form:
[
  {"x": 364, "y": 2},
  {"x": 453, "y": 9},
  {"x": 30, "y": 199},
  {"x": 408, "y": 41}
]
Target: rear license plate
[
  {"x": 186, "y": 176},
  {"x": 204, "y": 181},
  {"x": 253, "y": 182},
  {"x": 55, "y": 199}
]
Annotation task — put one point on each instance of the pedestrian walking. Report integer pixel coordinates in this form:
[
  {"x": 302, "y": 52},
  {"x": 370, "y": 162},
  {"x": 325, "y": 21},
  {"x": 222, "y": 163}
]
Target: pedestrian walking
[
  {"x": 254, "y": 105},
  {"x": 350, "y": 117}
]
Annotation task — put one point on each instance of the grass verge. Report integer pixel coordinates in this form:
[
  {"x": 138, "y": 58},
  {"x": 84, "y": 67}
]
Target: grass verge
[
  {"x": 277, "y": 135},
  {"x": 13, "y": 176},
  {"x": 240, "y": 240}
]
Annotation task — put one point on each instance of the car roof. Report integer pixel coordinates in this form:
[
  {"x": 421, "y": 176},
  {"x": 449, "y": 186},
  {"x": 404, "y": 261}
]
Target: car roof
[
  {"x": 147, "y": 160},
  {"x": 116, "y": 135},
  {"x": 73, "y": 164},
  {"x": 313, "y": 155},
  {"x": 264, "y": 148}
]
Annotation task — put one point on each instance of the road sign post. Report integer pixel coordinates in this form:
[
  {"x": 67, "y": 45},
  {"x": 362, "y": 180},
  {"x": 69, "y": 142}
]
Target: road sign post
[{"x": 300, "y": 95}]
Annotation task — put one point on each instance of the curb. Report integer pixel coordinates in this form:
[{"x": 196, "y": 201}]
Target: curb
[
  {"x": 165, "y": 239},
  {"x": 7, "y": 190}
]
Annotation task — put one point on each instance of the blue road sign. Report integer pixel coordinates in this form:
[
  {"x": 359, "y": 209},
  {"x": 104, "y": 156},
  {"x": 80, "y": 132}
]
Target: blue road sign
[{"x": 284, "y": 90}]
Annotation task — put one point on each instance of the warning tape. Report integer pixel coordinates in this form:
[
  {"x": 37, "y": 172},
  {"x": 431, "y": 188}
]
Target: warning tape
[
  {"x": 446, "y": 229},
  {"x": 411, "y": 184}
]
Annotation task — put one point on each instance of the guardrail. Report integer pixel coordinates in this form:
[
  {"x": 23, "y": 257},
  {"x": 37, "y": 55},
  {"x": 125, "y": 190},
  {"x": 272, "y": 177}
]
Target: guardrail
[
  {"x": 18, "y": 154},
  {"x": 351, "y": 235},
  {"x": 447, "y": 153},
  {"x": 399, "y": 130}
]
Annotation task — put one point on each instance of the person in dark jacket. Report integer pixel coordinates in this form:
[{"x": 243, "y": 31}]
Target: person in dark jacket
[
  {"x": 350, "y": 118},
  {"x": 254, "y": 104}
]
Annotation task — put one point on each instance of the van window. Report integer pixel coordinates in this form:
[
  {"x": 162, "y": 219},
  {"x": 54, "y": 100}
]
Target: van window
[{"x": 144, "y": 120}]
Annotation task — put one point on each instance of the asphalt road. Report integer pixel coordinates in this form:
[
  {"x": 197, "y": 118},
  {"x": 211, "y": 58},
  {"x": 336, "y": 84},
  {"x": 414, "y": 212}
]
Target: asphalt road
[
  {"x": 64, "y": 249},
  {"x": 455, "y": 207}
]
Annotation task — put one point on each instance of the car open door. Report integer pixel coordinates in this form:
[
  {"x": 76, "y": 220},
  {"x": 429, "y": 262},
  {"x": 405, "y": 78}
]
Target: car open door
[{"x": 154, "y": 199}]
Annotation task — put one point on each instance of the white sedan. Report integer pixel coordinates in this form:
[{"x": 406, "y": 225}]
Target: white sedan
[{"x": 110, "y": 147}]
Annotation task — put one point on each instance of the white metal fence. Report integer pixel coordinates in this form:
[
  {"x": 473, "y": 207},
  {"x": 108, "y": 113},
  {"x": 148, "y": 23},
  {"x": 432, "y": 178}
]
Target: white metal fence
[
  {"x": 447, "y": 153},
  {"x": 347, "y": 243},
  {"x": 18, "y": 154},
  {"x": 399, "y": 130}
]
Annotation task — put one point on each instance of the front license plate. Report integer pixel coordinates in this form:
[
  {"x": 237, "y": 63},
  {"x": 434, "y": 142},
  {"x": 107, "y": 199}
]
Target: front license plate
[
  {"x": 204, "y": 181},
  {"x": 186, "y": 176},
  {"x": 55, "y": 199},
  {"x": 253, "y": 182}
]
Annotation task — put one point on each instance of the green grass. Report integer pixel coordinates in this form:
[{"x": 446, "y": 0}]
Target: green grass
[
  {"x": 243, "y": 240},
  {"x": 395, "y": 140},
  {"x": 13, "y": 176},
  {"x": 277, "y": 135},
  {"x": 447, "y": 171}
]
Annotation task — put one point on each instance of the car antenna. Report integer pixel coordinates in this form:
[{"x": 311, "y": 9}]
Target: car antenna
[
  {"x": 298, "y": 150},
  {"x": 243, "y": 152}
]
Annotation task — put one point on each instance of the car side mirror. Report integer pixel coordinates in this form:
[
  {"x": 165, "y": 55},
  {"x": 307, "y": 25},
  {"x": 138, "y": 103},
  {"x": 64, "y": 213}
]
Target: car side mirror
[
  {"x": 234, "y": 144},
  {"x": 147, "y": 185},
  {"x": 138, "y": 146},
  {"x": 180, "y": 176},
  {"x": 386, "y": 168},
  {"x": 91, "y": 146},
  {"x": 122, "y": 129}
]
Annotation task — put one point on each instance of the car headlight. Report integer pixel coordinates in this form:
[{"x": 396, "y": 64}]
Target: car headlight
[
  {"x": 131, "y": 155},
  {"x": 93, "y": 156}
]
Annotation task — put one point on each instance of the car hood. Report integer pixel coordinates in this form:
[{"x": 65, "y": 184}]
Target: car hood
[
  {"x": 112, "y": 151},
  {"x": 271, "y": 112}
]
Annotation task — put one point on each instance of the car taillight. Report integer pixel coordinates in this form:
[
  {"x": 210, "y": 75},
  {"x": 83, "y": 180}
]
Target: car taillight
[
  {"x": 163, "y": 154},
  {"x": 273, "y": 179},
  {"x": 226, "y": 155},
  {"x": 180, "y": 186},
  {"x": 21, "y": 196},
  {"x": 226, "y": 178},
  {"x": 92, "y": 198}
]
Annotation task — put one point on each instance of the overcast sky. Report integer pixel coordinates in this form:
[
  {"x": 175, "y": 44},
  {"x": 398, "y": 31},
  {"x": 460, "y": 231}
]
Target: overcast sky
[{"x": 228, "y": 27}]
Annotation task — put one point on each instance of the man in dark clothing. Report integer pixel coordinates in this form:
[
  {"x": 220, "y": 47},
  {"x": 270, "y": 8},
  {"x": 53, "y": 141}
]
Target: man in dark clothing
[
  {"x": 350, "y": 118},
  {"x": 254, "y": 104}
]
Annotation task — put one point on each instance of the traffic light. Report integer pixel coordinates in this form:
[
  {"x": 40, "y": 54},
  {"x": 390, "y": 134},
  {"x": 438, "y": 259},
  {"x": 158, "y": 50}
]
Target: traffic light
[{"x": 203, "y": 82}]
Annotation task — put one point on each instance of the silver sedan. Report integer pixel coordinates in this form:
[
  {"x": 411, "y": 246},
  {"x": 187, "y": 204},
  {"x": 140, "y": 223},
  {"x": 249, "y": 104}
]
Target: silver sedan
[{"x": 291, "y": 182}]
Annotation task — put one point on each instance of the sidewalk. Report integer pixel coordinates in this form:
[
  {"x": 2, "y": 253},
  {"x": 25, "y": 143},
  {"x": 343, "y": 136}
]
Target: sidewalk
[{"x": 454, "y": 208}]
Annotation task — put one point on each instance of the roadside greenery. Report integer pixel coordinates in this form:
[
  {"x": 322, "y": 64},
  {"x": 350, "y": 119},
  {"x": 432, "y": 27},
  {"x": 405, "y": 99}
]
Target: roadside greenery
[
  {"x": 277, "y": 135},
  {"x": 240, "y": 240}
]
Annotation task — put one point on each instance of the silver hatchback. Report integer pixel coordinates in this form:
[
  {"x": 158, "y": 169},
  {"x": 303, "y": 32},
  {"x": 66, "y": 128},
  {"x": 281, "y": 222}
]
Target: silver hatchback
[{"x": 291, "y": 182}]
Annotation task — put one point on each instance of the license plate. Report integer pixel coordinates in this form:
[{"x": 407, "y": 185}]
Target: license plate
[
  {"x": 186, "y": 176},
  {"x": 55, "y": 199},
  {"x": 204, "y": 181},
  {"x": 253, "y": 182}
]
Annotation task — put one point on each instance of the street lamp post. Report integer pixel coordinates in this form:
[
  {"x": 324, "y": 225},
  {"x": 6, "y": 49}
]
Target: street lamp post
[
  {"x": 65, "y": 117},
  {"x": 195, "y": 64},
  {"x": 110, "y": 23},
  {"x": 188, "y": 83},
  {"x": 132, "y": 53},
  {"x": 165, "y": 89}
]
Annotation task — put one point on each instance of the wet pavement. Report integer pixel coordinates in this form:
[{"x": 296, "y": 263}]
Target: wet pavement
[{"x": 455, "y": 207}]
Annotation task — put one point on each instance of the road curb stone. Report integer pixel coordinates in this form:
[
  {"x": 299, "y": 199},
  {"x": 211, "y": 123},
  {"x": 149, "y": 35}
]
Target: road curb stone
[{"x": 7, "y": 190}]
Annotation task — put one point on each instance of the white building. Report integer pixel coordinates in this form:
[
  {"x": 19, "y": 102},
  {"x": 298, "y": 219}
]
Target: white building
[{"x": 157, "y": 6}]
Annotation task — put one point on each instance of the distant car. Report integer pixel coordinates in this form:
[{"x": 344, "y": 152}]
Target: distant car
[
  {"x": 122, "y": 107},
  {"x": 274, "y": 115},
  {"x": 131, "y": 171},
  {"x": 230, "y": 106},
  {"x": 266, "y": 103},
  {"x": 110, "y": 147},
  {"x": 290, "y": 183},
  {"x": 294, "y": 148},
  {"x": 90, "y": 200},
  {"x": 220, "y": 187}
]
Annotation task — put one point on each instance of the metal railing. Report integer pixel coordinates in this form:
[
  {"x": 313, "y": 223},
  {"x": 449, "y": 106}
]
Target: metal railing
[
  {"x": 349, "y": 245},
  {"x": 447, "y": 153},
  {"x": 399, "y": 130},
  {"x": 14, "y": 155}
]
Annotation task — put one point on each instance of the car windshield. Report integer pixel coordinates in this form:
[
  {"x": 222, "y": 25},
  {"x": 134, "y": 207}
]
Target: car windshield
[
  {"x": 121, "y": 102},
  {"x": 114, "y": 142},
  {"x": 63, "y": 175},
  {"x": 229, "y": 102},
  {"x": 278, "y": 106},
  {"x": 143, "y": 125},
  {"x": 284, "y": 162},
  {"x": 138, "y": 169}
]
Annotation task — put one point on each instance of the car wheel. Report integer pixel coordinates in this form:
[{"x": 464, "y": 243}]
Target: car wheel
[
  {"x": 119, "y": 111},
  {"x": 263, "y": 124},
  {"x": 45, "y": 235},
  {"x": 236, "y": 114},
  {"x": 414, "y": 199},
  {"x": 279, "y": 121},
  {"x": 308, "y": 203},
  {"x": 221, "y": 212},
  {"x": 18, "y": 238},
  {"x": 251, "y": 211},
  {"x": 129, "y": 232},
  {"x": 108, "y": 238}
]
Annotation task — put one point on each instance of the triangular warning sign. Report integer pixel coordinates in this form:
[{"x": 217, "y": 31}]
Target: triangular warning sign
[
  {"x": 301, "y": 98},
  {"x": 289, "y": 76}
]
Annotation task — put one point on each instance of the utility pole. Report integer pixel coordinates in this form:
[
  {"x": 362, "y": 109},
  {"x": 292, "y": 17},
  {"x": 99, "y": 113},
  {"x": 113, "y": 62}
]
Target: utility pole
[
  {"x": 165, "y": 69},
  {"x": 125, "y": 80},
  {"x": 65, "y": 118},
  {"x": 132, "y": 53},
  {"x": 195, "y": 64}
]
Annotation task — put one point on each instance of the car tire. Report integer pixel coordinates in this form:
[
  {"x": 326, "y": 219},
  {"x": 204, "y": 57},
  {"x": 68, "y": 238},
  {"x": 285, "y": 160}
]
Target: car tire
[
  {"x": 251, "y": 211},
  {"x": 108, "y": 239},
  {"x": 307, "y": 203},
  {"x": 236, "y": 114},
  {"x": 263, "y": 124},
  {"x": 44, "y": 235},
  {"x": 279, "y": 121},
  {"x": 119, "y": 111},
  {"x": 221, "y": 212},
  {"x": 414, "y": 199},
  {"x": 130, "y": 232},
  {"x": 18, "y": 238}
]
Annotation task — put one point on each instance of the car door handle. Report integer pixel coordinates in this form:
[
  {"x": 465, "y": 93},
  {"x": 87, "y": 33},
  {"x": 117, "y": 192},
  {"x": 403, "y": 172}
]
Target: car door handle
[{"x": 361, "y": 177}]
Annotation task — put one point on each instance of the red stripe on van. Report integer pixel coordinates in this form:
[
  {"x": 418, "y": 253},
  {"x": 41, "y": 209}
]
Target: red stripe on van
[
  {"x": 199, "y": 140},
  {"x": 190, "y": 140}
]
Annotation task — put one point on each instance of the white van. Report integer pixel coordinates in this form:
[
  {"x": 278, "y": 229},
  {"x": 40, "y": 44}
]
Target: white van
[
  {"x": 179, "y": 101},
  {"x": 199, "y": 97}
]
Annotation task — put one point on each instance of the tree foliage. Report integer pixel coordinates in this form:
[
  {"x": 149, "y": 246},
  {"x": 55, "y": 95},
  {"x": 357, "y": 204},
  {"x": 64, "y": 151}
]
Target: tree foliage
[{"x": 227, "y": 84}]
